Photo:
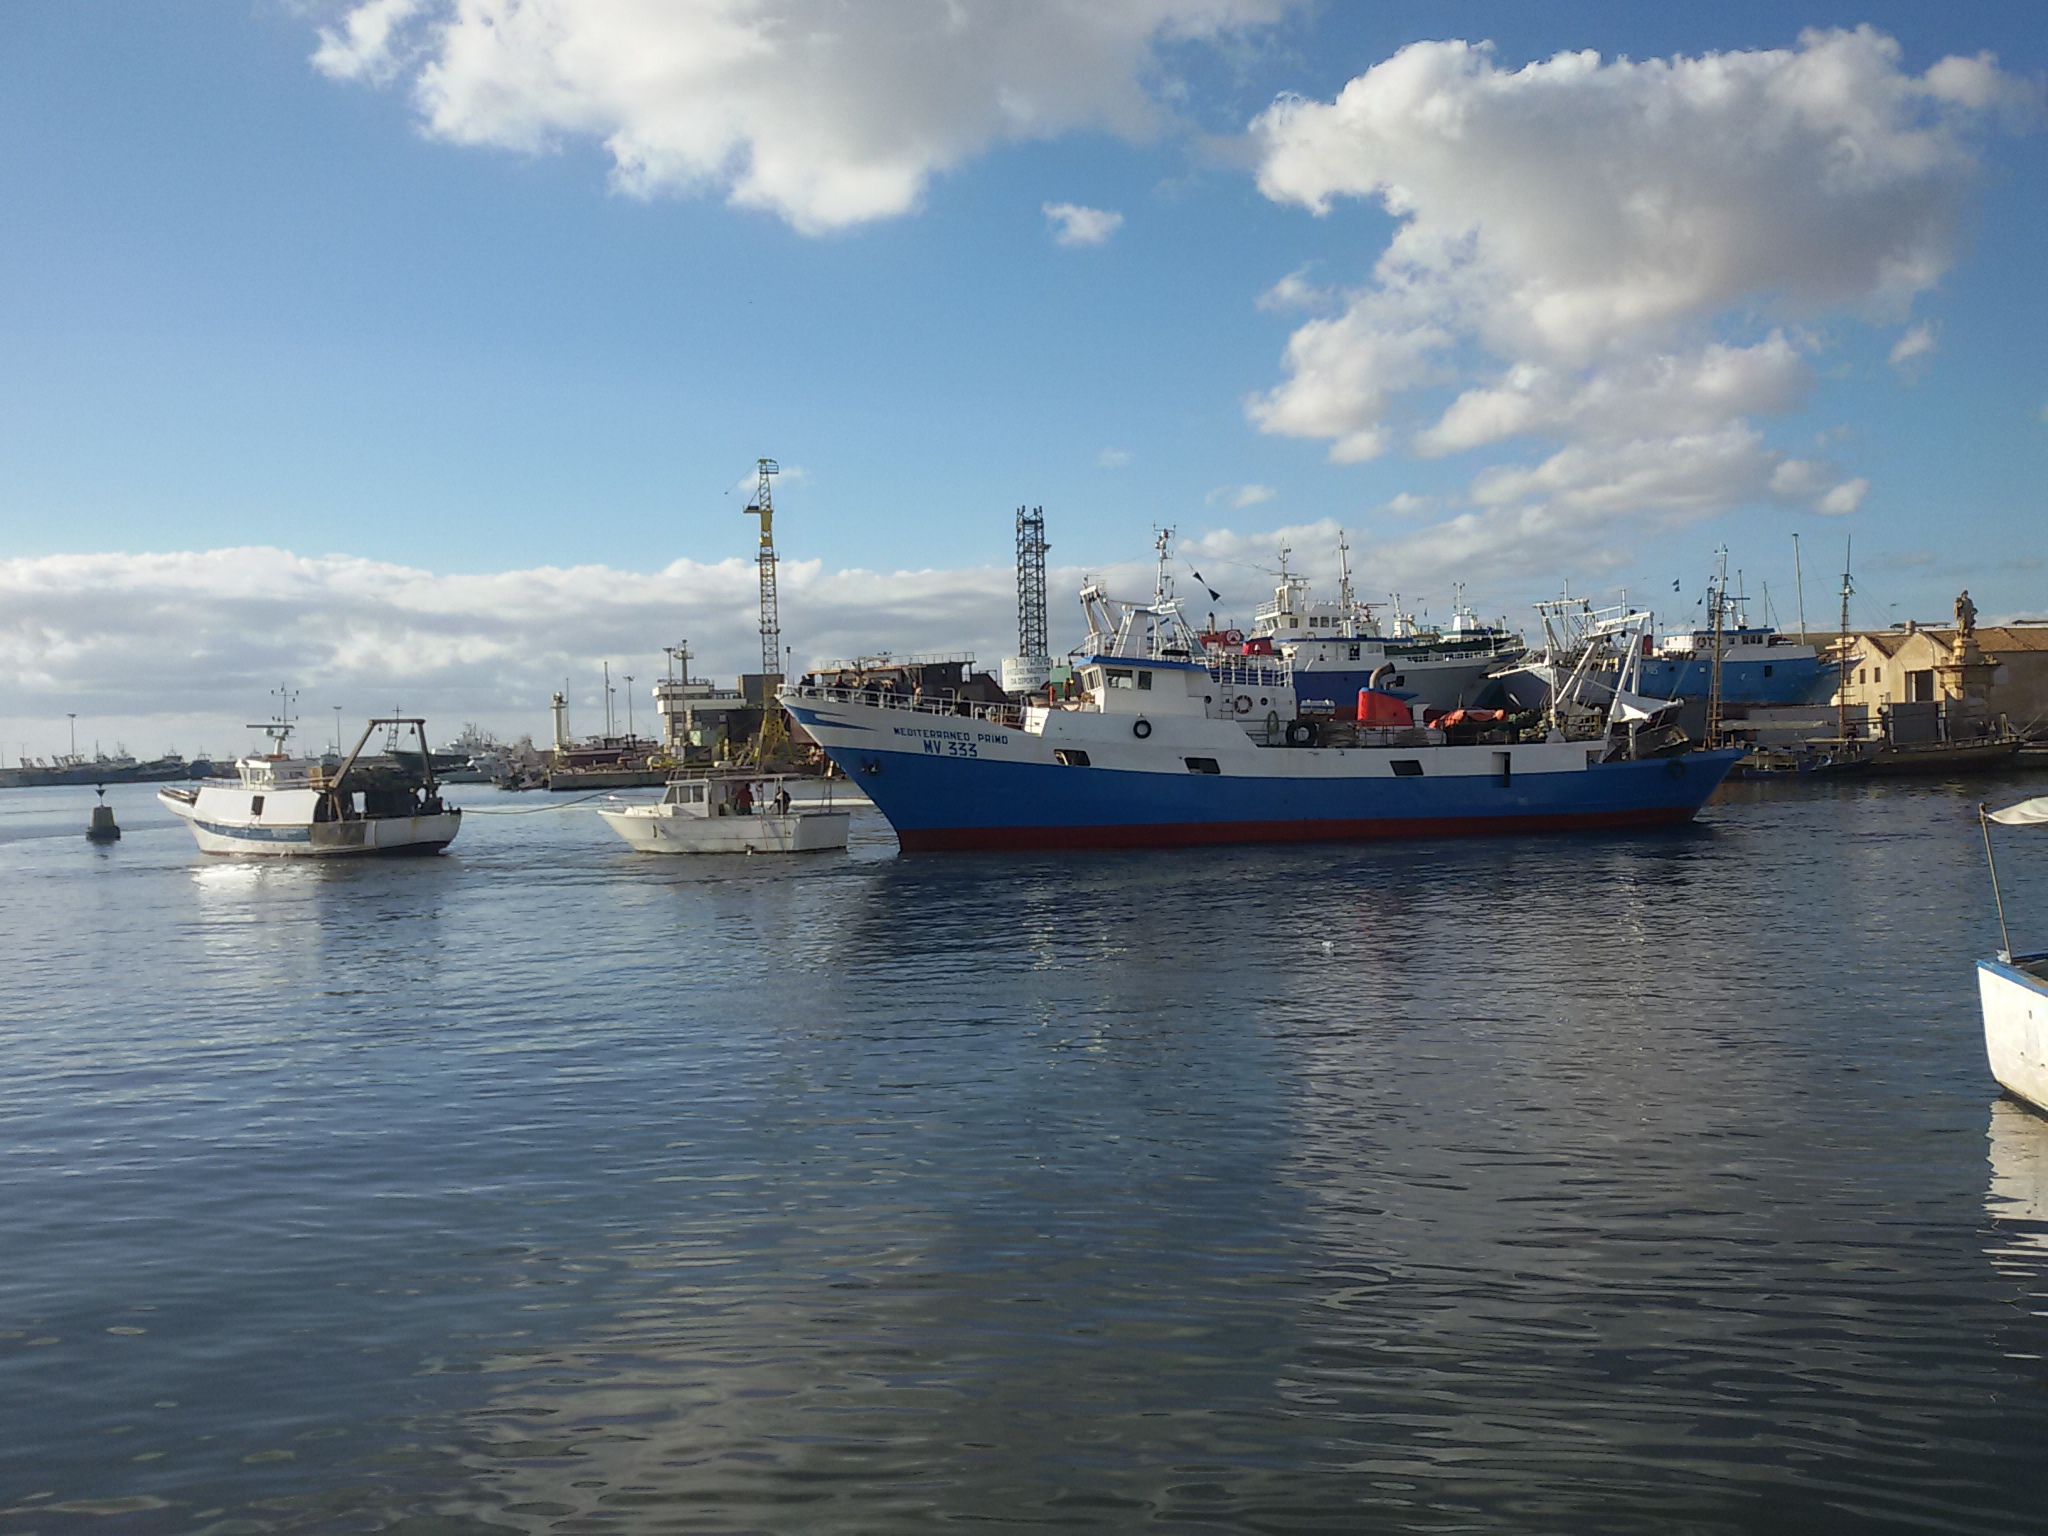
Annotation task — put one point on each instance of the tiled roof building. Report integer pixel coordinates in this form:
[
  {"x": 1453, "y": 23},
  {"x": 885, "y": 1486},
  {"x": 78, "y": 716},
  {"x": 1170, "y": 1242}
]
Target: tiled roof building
[{"x": 1908, "y": 664}]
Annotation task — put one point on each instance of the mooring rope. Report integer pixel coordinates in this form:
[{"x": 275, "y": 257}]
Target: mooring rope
[{"x": 534, "y": 810}]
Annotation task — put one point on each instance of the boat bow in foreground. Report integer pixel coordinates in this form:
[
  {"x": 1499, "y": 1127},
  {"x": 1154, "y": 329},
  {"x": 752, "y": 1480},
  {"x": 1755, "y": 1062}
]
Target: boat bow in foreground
[{"x": 2013, "y": 989}]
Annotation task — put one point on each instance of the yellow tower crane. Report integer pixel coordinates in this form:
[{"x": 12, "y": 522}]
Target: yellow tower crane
[{"x": 772, "y": 744}]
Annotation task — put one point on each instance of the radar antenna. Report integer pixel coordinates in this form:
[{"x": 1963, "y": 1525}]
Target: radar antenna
[{"x": 280, "y": 728}]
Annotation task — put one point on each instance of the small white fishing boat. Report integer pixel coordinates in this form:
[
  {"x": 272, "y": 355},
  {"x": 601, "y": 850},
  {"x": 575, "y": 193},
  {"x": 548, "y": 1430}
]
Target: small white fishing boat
[
  {"x": 733, "y": 813},
  {"x": 2014, "y": 988},
  {"x": 282, "y": 806}
]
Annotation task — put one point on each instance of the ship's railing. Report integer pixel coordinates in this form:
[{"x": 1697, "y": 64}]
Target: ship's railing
[
  {"x": 883, "y": 698},
  {"x": 1228, "y": 670}
]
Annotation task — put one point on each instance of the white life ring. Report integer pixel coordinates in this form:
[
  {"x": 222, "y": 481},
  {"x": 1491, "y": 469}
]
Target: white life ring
[
  {"x": 1141, "y": 728},
  {"x": 1243, "y": 704}
]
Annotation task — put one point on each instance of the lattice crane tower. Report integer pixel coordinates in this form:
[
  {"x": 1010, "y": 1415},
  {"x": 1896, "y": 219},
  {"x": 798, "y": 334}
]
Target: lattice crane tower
[
  {"x": 763, "y": 507},
  {"x": 1033, "y": 644}
]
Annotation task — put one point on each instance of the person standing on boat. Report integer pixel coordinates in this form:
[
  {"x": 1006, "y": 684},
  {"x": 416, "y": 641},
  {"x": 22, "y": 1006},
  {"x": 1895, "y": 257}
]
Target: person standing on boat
[
  {"x": 743, "y": 800},
  {"x": 781, "y": 801}
]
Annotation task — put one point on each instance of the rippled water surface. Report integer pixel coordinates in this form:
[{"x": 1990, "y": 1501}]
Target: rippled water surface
[{"x": 1577, "y": 1185}]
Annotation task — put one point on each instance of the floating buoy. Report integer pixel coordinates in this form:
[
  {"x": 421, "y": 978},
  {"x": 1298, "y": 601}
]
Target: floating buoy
[{"x": 101, "y": 828}]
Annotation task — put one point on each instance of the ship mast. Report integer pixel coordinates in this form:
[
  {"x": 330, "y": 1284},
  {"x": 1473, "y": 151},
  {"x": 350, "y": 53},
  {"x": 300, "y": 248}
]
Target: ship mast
[
  {"x": 279, "y": 730},
  {"x": 1842, "y": 659},
  {"x": 1799, "y": 580},
  {"x": 1717, "y": 606},
  {"x": 1344, "y": 603}
]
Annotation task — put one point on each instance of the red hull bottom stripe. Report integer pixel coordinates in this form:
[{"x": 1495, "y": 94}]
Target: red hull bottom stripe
[{"x": 1190, "y": 834}]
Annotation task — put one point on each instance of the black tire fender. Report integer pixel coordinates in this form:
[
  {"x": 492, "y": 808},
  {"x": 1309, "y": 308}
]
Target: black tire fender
[{"x": 1141, "y": 728}]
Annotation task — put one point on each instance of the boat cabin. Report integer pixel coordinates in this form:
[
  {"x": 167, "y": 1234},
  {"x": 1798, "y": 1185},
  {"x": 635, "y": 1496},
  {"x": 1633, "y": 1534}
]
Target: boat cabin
[{"x": 710, "y": 797}]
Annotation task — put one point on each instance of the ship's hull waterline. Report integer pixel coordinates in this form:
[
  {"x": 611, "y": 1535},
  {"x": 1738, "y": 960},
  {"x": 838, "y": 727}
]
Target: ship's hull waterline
[
  {"x": 959, "y": 784},
  {"x": 216, "y": 833},
  {"x": 802, "y": 832},
  {"x": 2015, "y": 1005}
]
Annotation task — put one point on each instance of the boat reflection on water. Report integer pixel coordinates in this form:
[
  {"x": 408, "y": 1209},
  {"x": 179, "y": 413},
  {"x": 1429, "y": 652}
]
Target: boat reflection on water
[{"x": 2018, "y": 1197}]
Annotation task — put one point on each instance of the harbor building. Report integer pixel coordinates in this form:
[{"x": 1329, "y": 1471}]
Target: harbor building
[{"x": 1931, "y": 682}]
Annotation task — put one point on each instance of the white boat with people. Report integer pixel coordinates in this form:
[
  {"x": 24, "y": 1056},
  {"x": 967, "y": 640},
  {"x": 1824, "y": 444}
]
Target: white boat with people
[
  {"x": 734, "y": 813},
  {"x": 280, "y": 805},
  {"x": 2013, "y": 989}
]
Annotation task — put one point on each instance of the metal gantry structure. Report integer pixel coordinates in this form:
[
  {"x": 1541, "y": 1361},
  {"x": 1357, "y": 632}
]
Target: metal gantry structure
[
  {"x": 1033, "y": 631},
  {"x": 763, "y": 507}
]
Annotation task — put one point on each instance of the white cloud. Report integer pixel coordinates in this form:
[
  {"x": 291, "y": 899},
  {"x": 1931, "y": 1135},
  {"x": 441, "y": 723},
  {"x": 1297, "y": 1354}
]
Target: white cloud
[
  {"x": 1658, "y": 392},
  {"x": 1240, "y": 496},
  {"x": 1112, "y": 458},
  {"x": 367, "y": 46},
  {"x": 1843, "y": 499},
  {"x": 1075, "y": 225},
  {"x": 1347, "y": 371},
  {"x": 825, "y": 114},
  {"x": 1914, "y": 346},
  {"x": 204, "y": 635},
  {"x": 1295, "y": 291},
  {"x": 1581, "y": 245}
]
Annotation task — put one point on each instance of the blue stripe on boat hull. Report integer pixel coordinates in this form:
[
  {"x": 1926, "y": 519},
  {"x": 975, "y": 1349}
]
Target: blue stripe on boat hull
[{"x": 257, "y": 834}]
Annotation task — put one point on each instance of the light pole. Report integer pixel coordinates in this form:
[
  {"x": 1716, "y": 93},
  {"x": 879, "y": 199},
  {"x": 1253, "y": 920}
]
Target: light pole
[
  {"x": 629, "y": 706},
  {"x": 337, "y": 730},
  {"x": 73, "y": 718}
]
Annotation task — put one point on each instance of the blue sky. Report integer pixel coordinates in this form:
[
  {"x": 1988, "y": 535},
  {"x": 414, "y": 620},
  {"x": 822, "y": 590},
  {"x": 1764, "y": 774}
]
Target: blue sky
[{"x": 247, "y": 300}]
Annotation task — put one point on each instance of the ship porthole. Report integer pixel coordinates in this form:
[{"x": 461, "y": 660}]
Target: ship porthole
[
  {"x": 1141, "y": 729},
  {"x": 1675, "y": 768}
]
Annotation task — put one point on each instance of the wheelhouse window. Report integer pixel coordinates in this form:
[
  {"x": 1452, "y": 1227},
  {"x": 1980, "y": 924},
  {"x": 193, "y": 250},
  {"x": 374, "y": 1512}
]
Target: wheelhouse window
[
  {"x": 1354, "y": 653},
  {"x": 1120, "y": 677},
  {"x": 1145, "y": 681}
]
